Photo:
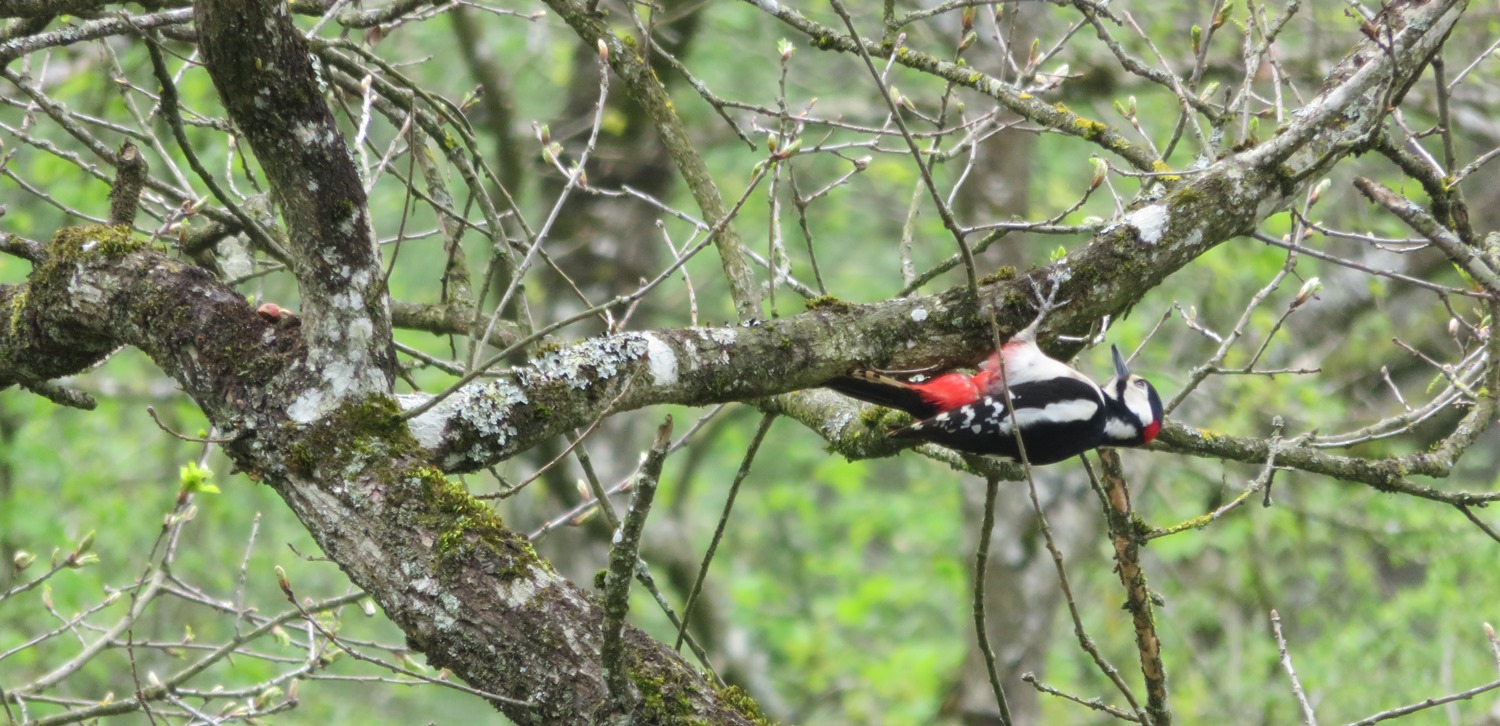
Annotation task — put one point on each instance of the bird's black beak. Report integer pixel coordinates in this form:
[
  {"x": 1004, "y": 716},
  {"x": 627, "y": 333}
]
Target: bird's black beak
[{"x": 1121, "y": 372}]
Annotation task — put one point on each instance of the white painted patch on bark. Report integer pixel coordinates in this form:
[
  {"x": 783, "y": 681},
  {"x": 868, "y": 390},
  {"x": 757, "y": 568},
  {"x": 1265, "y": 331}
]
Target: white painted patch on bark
[
  {"x": 662, "y": 361},
  {"x": 428, "y": 428},
  {"x": 1150, "y": 222}
]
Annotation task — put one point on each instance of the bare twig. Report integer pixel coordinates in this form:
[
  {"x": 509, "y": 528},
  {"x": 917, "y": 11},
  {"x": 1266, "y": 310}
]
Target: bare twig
[
  {"x": 713, "y": 544},
  {"x": 1308, "y": 717},
  {"x": 1426, "y": 704},
  {"x": 981, "y": 557},
  {"x": 1093, "y": 703}
]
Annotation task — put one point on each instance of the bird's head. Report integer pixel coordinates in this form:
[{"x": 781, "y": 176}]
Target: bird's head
[{"x": 1134, "y": 413}]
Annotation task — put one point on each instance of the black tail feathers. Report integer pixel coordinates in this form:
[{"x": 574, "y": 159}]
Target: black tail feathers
[{"x": 882, "y": 390}]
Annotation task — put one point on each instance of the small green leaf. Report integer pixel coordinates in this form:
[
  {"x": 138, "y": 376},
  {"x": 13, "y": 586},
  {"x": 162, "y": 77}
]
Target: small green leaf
[{"x": 196, "y": 480}]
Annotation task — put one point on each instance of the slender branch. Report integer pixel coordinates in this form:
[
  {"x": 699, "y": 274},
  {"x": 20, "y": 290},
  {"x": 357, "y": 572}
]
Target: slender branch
[
  {"x": 981, "y": 632},
  {"x": 1125, "y": 535},
  {"x": 150, "y": 587},
  {"x": 1084, "y": 641},
  {"x": 173, "y": 115},
  {"x": 1468, "y": 512},
  {"x": 623, "y": 555},
  {"x": 1461, "y": 254},
  {"x": 1093, "y": 703},
  {"x": 1308, "y": 717},
  {"x": 643, "y": 85},
  {"x": 1055, "y": 117},
  {"x": 713, "y": 544},
  {"x": 1426, "y": 704}
]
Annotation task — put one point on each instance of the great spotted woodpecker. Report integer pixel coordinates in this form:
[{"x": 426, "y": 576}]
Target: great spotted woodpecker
[{"x": 1060, "y": 412}]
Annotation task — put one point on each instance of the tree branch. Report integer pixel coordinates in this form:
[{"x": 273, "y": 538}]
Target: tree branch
[
  {"x": 260, "y": 65},
  {"x": 465, "y": 589}
]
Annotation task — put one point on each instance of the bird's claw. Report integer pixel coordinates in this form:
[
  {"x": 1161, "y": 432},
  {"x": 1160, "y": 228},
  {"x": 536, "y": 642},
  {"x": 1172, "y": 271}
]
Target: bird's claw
[{"x": 1045, "y": 304}]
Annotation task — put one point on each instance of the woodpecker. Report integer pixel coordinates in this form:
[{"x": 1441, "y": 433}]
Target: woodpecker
[{"x": 1061, "y": 412}]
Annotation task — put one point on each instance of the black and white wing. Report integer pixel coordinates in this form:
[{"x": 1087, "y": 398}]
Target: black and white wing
[{"x": 1058, "y": 418}]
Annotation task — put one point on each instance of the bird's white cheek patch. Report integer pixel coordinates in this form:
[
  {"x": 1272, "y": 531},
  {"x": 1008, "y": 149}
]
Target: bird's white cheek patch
[{"x": 1141, "y": 408}]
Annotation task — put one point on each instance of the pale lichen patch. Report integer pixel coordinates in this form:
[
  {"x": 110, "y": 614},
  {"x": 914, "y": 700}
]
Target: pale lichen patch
[
  {"x": 717, "y": 336},
  {"x": 515, "y": 592},
  {"x": 607, "y": 357},
  {"x": 306, "y": 134},
  {"x": 307, "y": 407}
]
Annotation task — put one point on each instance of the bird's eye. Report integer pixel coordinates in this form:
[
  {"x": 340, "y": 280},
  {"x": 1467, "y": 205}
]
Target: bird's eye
[{"x": 1140, "y": 383}]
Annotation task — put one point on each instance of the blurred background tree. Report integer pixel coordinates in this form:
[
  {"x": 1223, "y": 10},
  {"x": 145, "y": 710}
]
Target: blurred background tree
[{"x": 543, "y": 174}]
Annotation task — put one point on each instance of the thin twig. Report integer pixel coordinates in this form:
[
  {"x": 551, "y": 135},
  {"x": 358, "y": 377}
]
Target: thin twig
[
  {"x": 1478, "y": 522},
  {"x": 1308, "y": 717},
  {"x": 1093, "y": 703},
  {"x": 1084, "y": 641},
  {"x": 713, "y": 545},
  {"x": 981, "y": 557},
  {"x": 210, "y": 440},
  {"x": 1426, "y": 704}
]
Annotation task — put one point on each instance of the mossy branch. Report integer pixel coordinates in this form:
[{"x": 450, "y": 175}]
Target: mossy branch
[
  {"x": 623, "y": 555},
  {"x": 130, "y": 178}
]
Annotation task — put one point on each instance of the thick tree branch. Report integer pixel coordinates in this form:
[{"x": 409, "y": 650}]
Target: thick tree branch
[
  {"x": 465, "y": 589},
  {"x": 260, "y": 64},
  {"x": 480, "y": 426}
]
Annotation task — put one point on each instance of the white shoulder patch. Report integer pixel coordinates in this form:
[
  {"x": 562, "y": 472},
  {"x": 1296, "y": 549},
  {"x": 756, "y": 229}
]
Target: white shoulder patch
[{"x": 1078, "y": 409}]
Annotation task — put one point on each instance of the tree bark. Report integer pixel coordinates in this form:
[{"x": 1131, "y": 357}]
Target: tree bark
[{"x": 310, "y": 411}]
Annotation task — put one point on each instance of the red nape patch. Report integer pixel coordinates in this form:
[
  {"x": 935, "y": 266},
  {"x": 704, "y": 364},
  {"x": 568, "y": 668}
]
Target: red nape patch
[
  {"x": 1152, "y": 430},
  {"x": 948, "y": 391}
]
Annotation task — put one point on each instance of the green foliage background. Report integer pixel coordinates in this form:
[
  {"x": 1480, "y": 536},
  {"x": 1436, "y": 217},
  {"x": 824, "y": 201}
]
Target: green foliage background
[{"x": 850, "y": 578}]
